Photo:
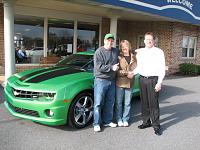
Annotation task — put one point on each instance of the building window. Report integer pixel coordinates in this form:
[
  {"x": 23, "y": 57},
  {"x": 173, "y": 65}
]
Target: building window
[
  {"x": 28, "y": 38},
  {"x": 88, "y": 35},
  {"x": 140, "y": 41},
  {"x": 189, "y": 47},
  {"x": 60, "y": 37}
]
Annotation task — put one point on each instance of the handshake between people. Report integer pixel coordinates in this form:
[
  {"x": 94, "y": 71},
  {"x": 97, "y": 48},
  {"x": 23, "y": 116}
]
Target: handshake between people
[
  {"x": 130, "y": 74},
  {"x": 115, "y": 67}
]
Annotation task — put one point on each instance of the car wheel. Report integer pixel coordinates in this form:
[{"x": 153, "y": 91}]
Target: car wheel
[{"x": 81, "y": 110}]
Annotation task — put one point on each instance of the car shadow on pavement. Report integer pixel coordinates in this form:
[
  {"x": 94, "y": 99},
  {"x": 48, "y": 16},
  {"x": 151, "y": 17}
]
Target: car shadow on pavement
[{"x": 135, "y": 113}]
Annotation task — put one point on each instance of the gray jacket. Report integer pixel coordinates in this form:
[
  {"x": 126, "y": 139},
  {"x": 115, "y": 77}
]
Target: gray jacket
[{"x": 103, "y": 61}]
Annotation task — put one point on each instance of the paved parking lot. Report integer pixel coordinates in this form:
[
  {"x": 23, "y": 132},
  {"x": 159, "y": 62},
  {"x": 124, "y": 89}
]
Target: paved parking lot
[{"x": 180, "y": 120}]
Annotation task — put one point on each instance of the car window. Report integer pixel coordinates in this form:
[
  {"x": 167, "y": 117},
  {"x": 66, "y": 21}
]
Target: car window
[
  {"x": 89, "y": 66},
  {"x": 76, "y": 60}
]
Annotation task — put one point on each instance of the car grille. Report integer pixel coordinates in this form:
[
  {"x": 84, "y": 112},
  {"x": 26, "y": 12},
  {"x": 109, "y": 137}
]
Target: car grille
[
  {"x": 24, "y": 111},
  {"x": 30, "y": 94}
]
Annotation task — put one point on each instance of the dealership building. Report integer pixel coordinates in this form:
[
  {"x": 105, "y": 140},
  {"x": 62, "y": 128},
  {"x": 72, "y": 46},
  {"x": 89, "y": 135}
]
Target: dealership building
[{"x": 48, "y": 30}]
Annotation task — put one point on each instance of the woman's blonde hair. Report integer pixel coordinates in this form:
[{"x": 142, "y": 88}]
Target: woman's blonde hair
[{"x": 126, "y": 42}]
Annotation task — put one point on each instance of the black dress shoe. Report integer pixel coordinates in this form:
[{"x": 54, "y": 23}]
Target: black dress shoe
[
  {"x": 158, "y": 131},
  {"x": 143, "y": 126}
]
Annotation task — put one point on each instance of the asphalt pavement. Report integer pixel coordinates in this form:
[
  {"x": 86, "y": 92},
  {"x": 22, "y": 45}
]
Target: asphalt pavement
[{"x": 180, "y": 120}]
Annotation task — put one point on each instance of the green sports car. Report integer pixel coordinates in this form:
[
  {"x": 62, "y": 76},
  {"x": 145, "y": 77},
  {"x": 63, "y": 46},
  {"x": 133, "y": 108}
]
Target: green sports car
[{"x": 56, "y": 95}]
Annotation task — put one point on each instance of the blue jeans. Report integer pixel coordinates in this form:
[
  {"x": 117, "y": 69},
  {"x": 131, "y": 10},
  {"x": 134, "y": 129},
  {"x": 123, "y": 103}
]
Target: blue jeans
[
  {"x": 104, "y": 98},
  {"x": 123, "y": 95}
]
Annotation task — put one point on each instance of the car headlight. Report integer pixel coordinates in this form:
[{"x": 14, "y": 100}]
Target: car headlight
[{"x": 45, "y": 96}]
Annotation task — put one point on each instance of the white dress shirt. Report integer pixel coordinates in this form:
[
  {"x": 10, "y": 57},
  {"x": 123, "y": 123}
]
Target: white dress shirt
[{"x": 150, "y": 62}]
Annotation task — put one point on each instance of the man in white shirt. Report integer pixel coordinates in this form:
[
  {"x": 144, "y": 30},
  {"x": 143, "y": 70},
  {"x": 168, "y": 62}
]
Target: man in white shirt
[{"x": 151, "y": 67}]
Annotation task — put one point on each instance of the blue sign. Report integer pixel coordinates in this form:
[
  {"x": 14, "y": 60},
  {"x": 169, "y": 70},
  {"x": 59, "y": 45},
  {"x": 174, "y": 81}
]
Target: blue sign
[{"x": 183, "y": 10}]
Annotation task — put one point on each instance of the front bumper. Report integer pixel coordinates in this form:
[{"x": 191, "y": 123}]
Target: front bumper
[{"x": 36, "y": 111}]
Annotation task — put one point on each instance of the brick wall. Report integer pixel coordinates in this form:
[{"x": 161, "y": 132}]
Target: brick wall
[
  {"x": 170, "y": 36},
  {"x": 162, "y": 30},
  {"x": 180, "y": 30}
]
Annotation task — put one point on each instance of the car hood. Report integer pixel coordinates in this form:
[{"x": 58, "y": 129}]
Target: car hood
[{"x": 50, "y": 78}]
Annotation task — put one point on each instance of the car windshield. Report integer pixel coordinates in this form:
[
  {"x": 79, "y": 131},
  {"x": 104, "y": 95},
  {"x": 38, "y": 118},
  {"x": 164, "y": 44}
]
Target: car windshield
[{"x": 76, "y": 60}]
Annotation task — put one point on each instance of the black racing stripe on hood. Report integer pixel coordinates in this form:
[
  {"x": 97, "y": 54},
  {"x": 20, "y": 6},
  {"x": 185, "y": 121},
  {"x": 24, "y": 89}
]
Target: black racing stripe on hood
[
  {"x": 53, "y": 74},
  {"x": 36, "y": 72}
]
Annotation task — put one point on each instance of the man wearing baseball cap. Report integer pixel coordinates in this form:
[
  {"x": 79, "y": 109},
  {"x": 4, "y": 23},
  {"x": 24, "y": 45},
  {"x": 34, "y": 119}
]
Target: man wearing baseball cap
[
  {"x": 105, "y": 68},
  {"x": 109, "y": 35}
]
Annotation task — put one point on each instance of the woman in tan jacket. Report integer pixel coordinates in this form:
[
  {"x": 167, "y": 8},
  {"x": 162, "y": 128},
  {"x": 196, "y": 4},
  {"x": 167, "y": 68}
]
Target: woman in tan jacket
[{"x": 127, "y": 62}]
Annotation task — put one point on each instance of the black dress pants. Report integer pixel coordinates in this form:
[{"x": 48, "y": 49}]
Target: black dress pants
[{"x": 149, "y": 101}]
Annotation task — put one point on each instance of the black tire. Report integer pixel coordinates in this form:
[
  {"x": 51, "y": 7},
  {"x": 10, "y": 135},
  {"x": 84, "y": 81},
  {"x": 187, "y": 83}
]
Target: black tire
[{"x": 81, "y": 110}]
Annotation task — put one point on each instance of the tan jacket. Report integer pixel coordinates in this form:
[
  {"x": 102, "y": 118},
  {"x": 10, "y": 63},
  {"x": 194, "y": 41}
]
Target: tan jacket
[{"x": 122, "y": 80}]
